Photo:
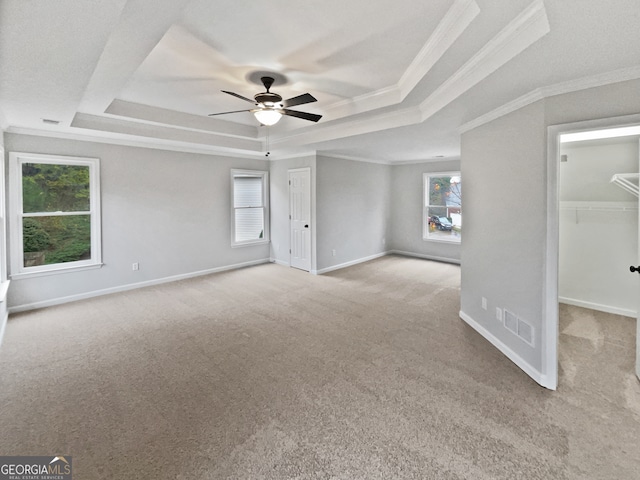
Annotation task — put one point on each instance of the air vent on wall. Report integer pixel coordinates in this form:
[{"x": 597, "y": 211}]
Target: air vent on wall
[
  {"x": 518, "y": 327},
  {"x": 510, "y": 321},
  {"x": 525, "y": 331}
]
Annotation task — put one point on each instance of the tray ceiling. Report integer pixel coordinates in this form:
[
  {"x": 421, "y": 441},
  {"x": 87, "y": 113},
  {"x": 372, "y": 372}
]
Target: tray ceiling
[{"x": 393, "y": 84}]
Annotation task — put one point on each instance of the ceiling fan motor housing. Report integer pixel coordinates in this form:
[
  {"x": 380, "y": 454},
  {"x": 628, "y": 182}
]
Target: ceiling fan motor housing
[{"x": 267, "y": 97}]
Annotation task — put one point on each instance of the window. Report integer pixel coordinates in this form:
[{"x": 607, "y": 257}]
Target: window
[
  {"x": 249, "y": 207},
  {"x": 442, "y": 208},
  {"x": 55, "y": 221}
]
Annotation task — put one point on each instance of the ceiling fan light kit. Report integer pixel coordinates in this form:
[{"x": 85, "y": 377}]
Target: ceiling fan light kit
[
  {"x": 267, "y": 116},
  {"x": 271, "y": 107}
]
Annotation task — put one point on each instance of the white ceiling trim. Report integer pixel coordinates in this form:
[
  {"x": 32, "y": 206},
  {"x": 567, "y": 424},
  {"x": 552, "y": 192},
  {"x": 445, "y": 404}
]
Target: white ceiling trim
[
  {"x": 527, "y": 28},
  {"x": 452, "y": 25},
  {"x": 186, "y": 121},
  {"x": 353, "y": 158},
  {"x": 106, "y": 124},
  {"x": 110, "y": 138},
  {"x": 326, "y": 132},
  {"x": 428, "y": 160},
  {"x": 132, "y": 40},
  {"x": 520, "y": 33},
  {"x": 608, "y": 78}
]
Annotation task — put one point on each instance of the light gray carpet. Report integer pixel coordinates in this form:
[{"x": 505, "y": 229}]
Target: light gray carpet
[{"x": 273, "y": 373}]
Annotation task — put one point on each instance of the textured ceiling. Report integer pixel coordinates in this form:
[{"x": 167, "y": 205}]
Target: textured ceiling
[{"x": 395, "y": 82}]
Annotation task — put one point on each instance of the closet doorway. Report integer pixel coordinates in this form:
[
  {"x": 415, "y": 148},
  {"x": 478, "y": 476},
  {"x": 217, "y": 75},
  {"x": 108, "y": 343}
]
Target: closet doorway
[{"x": 598, "y": 231}]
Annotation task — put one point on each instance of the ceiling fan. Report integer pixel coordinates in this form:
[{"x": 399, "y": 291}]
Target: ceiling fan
[{"x": 269, "y": 106}]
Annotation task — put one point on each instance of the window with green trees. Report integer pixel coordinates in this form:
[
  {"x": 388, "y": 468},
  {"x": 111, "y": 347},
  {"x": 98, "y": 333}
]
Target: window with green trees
[{"x": 58, "y": 224}]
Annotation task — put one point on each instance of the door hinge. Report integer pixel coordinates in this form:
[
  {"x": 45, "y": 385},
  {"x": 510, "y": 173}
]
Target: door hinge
[
  {"x": 289, "y": 217},
  {"x": 289, "y": 250},
  {"x": 289, "y": 182}
]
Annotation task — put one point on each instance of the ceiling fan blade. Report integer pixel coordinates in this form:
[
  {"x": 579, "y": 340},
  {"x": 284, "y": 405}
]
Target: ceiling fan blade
[
  {"x": 312, "y": 117},
  {"x": 224, "y": 113},
  {"x": 240, "y": 97},
  {"x": 299, "y": 100}
]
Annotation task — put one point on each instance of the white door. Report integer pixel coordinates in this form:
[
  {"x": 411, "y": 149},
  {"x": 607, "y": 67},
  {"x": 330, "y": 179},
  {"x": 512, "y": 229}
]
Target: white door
[{"x": 300, "y": 216}]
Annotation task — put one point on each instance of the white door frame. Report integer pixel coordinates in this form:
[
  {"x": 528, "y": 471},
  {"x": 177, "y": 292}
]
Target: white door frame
[{"x": 550, "y": 326}]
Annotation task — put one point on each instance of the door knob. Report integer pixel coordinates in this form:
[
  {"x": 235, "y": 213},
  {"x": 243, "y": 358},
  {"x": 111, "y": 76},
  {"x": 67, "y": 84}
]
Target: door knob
[
  {"x": 634, "y": 269},
  {"x": 306, "y": 226}
]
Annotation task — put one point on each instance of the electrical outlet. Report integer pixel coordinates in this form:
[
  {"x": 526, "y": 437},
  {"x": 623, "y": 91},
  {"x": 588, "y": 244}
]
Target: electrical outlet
[
  {"x": 499, "y": 313},
  {"x": 484, "y": 303},
  {"x": 333, "y": 253},
  {"x": 135, "y": 267}
]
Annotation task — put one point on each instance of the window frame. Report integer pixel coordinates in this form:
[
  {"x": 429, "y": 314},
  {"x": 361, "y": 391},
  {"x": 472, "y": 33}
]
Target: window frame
[
  {"x": 426, "y": 182},
  {"x": 16, "y": 160},
  {"x": 264, "y": 176}
]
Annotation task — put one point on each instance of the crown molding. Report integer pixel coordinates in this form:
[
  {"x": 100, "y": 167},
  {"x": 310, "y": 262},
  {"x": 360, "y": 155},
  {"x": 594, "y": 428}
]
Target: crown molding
[
  {"x": 430, "y": 161},
  {"x": 185, "y": 121},
  {"x": 453, "y": 24},
  {"x": 136, "y": 34},
  {"x": 526, "y": 29},
  {"x": 450, "y": 28},
  {"x": 593, "y": 81},
  {"x": 278, "y": 156},
  {"x": 503, "y": 110},
  {"x": 118, "y": 126},
  {"x": 326, "y": 132},
  {"x": 354, "y": 158},
  {"x": 110, "y": 138}
]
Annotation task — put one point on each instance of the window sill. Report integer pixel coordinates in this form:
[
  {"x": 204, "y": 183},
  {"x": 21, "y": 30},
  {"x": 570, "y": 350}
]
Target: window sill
[
  {"x": 442, "y": 240},
  {"x": 42, "y": 273},
  {"x": 250, "y": 244}
]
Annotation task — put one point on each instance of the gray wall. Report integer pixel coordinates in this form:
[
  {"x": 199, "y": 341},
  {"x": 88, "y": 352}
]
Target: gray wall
[
  {"x": 406, "y": 211},
  {"x": 280, "y": 227},
  {"x": 353, "y": 210},
  {"x": 169, "y": 211},
  {"x": 504, "y": 169}
]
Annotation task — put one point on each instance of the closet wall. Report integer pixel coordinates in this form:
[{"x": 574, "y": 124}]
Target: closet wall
[{"x": 598, "y": 226}]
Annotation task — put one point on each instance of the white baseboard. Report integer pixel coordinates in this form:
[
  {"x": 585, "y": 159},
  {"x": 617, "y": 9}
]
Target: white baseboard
[
  {"x": 535, "y": 374},
  {"x": 131, "y": 286},
  {"x": 426, "y": 257},
  {"x": 279, "y": 262},
  {"x": 3, "y": 324},
  {"x": 382, "y": 254},
  {"x": 349, "y": 264},
  {"x": 625, "y": 312},
  {"x": 4, "y": 313}
]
